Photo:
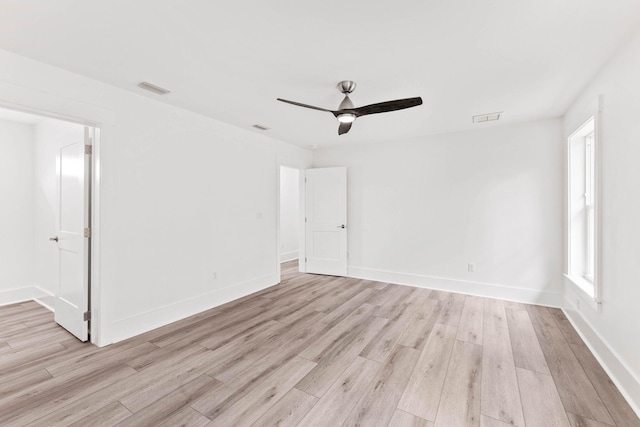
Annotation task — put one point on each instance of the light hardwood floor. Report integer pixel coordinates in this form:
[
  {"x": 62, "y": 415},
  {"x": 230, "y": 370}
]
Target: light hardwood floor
[{"x": 314, "y": 351}]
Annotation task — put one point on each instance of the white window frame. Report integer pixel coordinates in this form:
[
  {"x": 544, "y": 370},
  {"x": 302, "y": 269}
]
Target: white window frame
[
  {"x": 584, "y": 243},
  {"x": 589, "y": 205}
]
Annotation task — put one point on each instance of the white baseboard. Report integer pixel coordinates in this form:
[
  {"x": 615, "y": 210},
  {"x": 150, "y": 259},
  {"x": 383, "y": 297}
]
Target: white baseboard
[
  {"x": 16, "y": 295},
  {"x": 161, "y": 316},
  {"x": 628, "y": 384},
  {"x": 528, "y": 296},
  {"x": 288, "y": 256},
  {"x": 47, "y": 300}
]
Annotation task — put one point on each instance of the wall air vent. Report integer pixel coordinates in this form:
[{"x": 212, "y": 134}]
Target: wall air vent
[
  {"x": 153, "y": 88},
  {"x": 261, "y": 127},
  {"x": 489, "y": 117}
]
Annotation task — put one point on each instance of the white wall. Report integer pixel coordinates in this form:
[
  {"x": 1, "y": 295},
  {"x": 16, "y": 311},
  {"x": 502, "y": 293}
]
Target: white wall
[
  {"x": 50, "y": 136},
  {"x": 289, "y": 213},
  {"x": 16, "y": 211},
  {"x": 614, "y": 333},
  {"x": 182, "y": 196},
  {"x": 420, "y": 210}
]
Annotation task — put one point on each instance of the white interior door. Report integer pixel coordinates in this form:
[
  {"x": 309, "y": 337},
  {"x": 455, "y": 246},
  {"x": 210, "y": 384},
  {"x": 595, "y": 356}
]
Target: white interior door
[
  {"x": 326, "y": 221},
  {"x": 74, "y": 174}
]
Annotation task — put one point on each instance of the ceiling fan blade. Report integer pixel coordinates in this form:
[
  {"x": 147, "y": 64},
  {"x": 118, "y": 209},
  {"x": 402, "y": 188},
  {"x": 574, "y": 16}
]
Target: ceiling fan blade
[
  {"x": 384, "y": 107},
  {"x": 303, "y": 105},
  {"x": 344, "y": 128}
]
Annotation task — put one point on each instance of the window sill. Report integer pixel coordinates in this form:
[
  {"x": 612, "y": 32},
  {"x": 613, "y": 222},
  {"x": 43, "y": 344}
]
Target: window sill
[{"x": 584, "y": 288}]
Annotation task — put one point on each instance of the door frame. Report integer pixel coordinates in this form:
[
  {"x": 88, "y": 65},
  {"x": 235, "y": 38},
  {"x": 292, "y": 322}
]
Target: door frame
[
  {"x": 301, "y": 167},
  {"x": 312, "y": 222},
  {"x": 94, "y": 207}
]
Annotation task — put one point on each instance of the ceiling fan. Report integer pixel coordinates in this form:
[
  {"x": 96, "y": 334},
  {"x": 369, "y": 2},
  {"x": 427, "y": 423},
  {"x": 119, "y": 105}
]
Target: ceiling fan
[{"x": 347, "y": 113}]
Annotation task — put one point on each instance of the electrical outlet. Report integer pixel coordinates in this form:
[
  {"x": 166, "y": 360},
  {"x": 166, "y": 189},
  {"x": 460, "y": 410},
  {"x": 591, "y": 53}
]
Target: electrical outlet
[
  {"x": 471, "y": 267},
  {"x": 214, "y": 275}
]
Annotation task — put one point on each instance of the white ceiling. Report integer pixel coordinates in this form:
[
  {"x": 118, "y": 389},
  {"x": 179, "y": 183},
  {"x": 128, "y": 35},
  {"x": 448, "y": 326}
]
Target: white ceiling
[{"x": 231, "y": 60}]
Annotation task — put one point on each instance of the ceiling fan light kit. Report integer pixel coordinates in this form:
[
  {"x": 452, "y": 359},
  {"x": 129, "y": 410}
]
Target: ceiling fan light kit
[
  {"x": 346, "y": 118},
  {"x": 347, "y": 112}
]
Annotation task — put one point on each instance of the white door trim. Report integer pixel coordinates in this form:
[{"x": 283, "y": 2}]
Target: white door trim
[
  {"x": 300, "y": 166},
  {"x": 96, "y": 182}
]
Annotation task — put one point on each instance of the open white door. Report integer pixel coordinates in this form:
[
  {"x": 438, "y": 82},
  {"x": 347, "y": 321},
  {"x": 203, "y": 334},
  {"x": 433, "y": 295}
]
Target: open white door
[
  {"x": 326, "y": 221},
  {"x": 74, "y": 183}
]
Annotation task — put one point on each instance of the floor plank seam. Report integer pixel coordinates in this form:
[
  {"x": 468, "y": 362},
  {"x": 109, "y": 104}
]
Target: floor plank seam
[{"x": 592, "y": 383}]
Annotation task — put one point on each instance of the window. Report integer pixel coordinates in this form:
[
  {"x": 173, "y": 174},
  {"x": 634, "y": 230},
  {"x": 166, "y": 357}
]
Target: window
[
  {"x": 582, "y": 208},
  {"x": 589, "y": 206}
]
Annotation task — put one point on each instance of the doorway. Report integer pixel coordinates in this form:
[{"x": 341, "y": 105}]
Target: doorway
[
  {"x": 289, "y": 226},
  {"x": 47, "y": 201}
]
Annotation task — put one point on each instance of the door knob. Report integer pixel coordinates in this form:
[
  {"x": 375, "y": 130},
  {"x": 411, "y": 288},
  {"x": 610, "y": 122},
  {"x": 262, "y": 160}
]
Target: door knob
[
  {"x": 342, "y": 226},
  {"x": 54, "y": 238}
]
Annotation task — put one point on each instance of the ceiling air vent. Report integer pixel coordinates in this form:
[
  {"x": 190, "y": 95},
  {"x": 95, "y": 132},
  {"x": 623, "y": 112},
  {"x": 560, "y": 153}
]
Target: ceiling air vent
[
  {"x": 261, "y": 127},
  {"x": 489, "y": 117},
  {"x": 153, "y": 88}
]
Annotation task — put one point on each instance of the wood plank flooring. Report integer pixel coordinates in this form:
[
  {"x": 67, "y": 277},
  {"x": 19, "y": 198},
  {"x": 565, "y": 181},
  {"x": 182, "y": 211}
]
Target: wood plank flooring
[{"x": 314, "y": 351}]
